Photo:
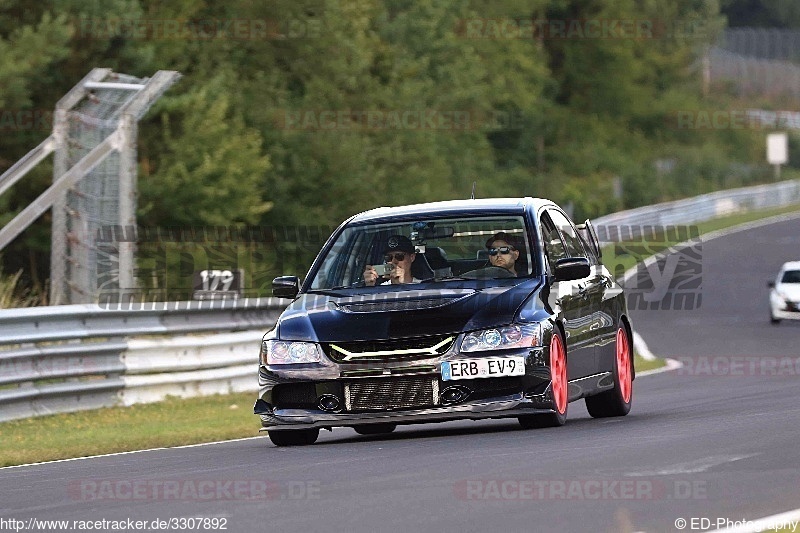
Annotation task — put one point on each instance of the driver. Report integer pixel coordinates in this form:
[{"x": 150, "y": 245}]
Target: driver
[
  {"x": 400, "y": 252},
  {"x": 503, "y": 251}
]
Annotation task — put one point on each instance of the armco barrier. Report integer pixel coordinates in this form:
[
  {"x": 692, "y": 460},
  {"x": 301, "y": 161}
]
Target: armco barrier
[
  {"x": 68, "y": 358},
  {"x": 698, "y": 209}
]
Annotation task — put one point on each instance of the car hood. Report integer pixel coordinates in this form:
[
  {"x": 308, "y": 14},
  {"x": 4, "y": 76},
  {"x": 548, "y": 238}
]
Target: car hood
[
  {"x": 370, "y": 315},
  {"x": 790, "y": 290}
]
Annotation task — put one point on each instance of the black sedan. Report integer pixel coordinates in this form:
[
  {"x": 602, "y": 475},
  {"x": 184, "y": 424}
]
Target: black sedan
[{"x": 465, "y": 309}]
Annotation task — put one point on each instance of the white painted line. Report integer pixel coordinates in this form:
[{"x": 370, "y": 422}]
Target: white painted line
[
  {"x": 789, "y": 520},
  {"x": 130, "y": 452},
  {"x": 692, "y": 467},
  {"x": 672, "y": 364},
  {"x": 641, "y": 348}
]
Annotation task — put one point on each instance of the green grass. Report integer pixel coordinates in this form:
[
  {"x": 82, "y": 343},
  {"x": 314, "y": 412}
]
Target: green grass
[
  {"x": 177, "y": 422},
  {"x": 643, "y": 364},
  {"x": 173, "y": 422}
]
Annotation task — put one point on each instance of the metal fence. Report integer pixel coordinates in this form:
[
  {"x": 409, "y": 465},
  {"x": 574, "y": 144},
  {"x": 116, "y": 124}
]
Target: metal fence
[
  {"x": 763, "y": 43},
  {"x": 762, "y": 62},
  {"x": 698, "y": 209},
  {"x": 749, "y": 76},
  {"x": 67, "y": 358}
]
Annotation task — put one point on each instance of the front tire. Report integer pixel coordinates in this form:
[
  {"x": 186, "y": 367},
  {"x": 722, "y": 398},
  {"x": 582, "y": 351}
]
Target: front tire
[
  {"x": 558, "y": 388},
  {"x": 617, "y": 401},
  {"x": 293, "y": 437}
]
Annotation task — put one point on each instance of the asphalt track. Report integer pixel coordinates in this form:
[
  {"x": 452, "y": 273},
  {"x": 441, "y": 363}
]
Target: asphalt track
[{"x": 715, "y": 439}]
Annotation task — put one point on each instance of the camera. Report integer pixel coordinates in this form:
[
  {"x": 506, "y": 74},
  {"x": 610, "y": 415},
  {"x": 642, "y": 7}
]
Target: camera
[{"x": 385, "y": 269}]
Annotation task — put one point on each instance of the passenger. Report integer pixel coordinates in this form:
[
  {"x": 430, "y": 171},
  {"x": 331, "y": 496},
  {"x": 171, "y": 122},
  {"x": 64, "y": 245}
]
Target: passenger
[
  {"x": 400, "y": 252},
  {"x": 503, "y": 251}
]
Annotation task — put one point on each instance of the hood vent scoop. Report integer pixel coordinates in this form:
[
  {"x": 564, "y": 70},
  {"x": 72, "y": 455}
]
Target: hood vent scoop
[{"x": 396, "y": 304}]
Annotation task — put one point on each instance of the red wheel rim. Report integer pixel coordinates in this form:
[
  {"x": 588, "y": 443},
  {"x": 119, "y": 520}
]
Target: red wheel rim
[
  {"x": 624, "y": 365},
  {"x": 558, "y": 374}
]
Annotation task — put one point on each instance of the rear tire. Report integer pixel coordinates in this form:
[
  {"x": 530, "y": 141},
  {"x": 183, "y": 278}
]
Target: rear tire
[
  {"x": 617, "y": 401},
  {"x": 293, "y": 437},
  {"x": 774, "y": 321},
  {"x": 558, "y": 388},
  {"x": 375, "y": 429}
]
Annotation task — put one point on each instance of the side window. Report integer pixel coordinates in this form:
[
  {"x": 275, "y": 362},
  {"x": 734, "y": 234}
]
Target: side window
[
  {"x": 572, "y": 242},
  {"x": 553, "y": 245}
]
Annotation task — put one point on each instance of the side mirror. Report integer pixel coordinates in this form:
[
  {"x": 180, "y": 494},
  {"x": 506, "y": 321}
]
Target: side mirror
[
  {"x": 771, "y": 284},
  {"x": 571, "y": 268},
  {"x": 286, "y": 287}
]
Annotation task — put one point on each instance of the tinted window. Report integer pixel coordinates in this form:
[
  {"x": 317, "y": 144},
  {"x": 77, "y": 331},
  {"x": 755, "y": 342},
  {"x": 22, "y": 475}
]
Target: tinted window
[
  {"x": 572, "y": 243},
  {"x": 553, "y": 246},
  {"x": 791, "y": 276},
  {"x": 446, "y": 248}
]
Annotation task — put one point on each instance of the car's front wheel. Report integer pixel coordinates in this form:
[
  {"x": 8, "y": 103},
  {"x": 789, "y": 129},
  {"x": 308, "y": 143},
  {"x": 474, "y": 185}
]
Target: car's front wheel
[
  {"x": 617, "y": 401},
  {"x": 293, "y": 437},
  {"x": 558, "y": 388}
]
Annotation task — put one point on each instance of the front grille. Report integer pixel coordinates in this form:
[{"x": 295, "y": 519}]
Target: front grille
[
  {"x": 411, "y": 349},
  {"x": 393, "y": 393}
]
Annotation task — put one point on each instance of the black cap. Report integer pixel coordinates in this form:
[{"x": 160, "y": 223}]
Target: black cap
[
  {"x": 398, "y": 243},
  {"x": 503, "y": 236}
]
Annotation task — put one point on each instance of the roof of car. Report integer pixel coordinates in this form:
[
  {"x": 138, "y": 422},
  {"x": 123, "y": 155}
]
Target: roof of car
[
  {"x": 791, "y": 265},
  {"x": 482, "y": 205}
]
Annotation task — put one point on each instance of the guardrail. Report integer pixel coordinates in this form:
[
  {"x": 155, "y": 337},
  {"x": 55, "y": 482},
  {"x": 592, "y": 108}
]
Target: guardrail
[
  {"x": 632, "y": 223},
  {"x": 67, "y": 358}
]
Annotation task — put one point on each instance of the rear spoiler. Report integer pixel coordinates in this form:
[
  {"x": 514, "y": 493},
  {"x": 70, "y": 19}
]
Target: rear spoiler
[{"x": 589, "y": 236}]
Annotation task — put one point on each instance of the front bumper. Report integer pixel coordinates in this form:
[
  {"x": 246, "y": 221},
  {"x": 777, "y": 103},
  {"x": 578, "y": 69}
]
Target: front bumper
[
  {"x": 502, "y": 407},
  {"x": 782, "y": 314}
]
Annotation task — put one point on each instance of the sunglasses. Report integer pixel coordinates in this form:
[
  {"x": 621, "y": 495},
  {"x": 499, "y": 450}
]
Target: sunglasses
[
  {"x": 503, "y": 250},
  {"x": 399, "y": 256}
]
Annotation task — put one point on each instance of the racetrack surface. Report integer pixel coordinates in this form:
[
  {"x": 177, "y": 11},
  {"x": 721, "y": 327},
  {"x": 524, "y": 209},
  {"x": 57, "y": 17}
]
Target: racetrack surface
[{"x": 714, "y": 439}]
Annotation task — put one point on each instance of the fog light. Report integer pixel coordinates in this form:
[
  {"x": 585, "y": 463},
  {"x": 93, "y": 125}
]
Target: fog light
[
  {"x": 452, "y": 395},
  {"x": 329, "y": 403}
]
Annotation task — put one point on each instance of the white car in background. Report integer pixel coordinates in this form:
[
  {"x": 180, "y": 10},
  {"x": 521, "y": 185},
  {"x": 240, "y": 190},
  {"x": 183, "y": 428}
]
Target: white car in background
[{"x": 784, "y": 298}]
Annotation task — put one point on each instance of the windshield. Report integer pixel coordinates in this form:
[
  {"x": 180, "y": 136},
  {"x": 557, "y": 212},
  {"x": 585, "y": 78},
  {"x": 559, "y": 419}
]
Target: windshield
[
  {"x": 444, "y": 249},
  {"x": 791, "y": 276}
]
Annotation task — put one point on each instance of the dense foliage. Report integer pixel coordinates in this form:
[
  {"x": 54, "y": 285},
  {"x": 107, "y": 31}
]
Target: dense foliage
[{"x": 247, "y": 137}]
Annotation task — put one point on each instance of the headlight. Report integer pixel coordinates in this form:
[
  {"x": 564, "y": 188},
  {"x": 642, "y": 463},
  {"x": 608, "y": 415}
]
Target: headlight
[
  {"x": 275, "y": 352},
  {"x": 503, "y": 338}
]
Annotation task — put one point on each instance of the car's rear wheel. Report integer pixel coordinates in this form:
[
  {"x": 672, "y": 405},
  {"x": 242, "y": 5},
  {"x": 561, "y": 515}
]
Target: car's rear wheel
[
  {"x": 374, "y": 429},
  {"x": 774, "y": 321},
  {"x": 293, "y": 437},
  {"x": 617, "y": 401},
  {"x": 558, "y": 388}
]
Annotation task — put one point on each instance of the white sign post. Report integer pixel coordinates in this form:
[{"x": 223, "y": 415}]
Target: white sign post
[{"x": 777, "y": 151}]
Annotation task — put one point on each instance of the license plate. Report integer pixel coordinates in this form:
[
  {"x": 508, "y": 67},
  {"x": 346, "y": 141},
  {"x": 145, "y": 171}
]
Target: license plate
[{"x": 489, "y": 367}]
